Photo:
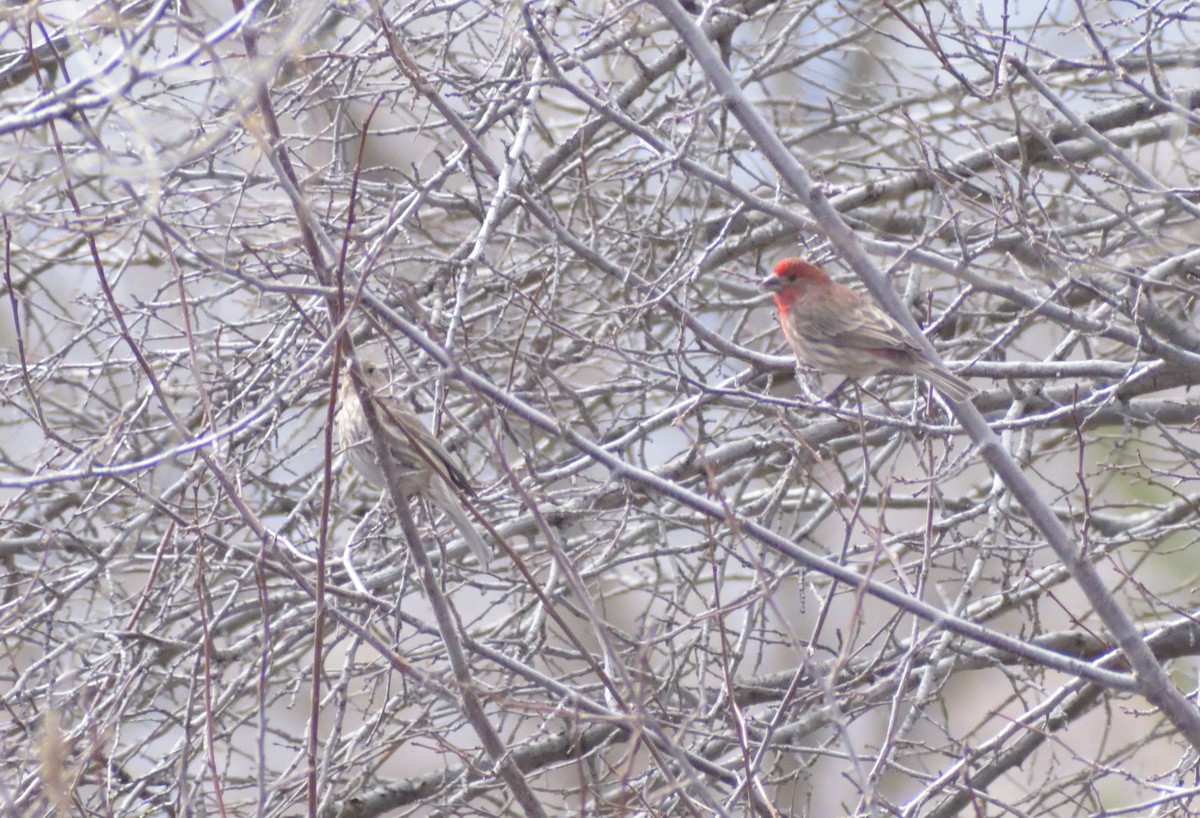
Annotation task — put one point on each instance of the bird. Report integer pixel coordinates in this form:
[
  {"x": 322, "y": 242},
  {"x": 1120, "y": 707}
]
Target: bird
[
  {"x": 835, "y": 329},
  {"x": 421, "y": 463}
]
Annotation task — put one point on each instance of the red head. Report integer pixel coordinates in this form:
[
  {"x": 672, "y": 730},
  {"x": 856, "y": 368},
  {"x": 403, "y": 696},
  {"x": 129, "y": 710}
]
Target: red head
[{"x": 792, "y": 279}]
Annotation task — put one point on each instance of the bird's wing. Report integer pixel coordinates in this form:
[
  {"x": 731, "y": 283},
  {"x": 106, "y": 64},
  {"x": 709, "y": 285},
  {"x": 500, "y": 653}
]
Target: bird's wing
[
  {"x": 865, "y": 327},
  {"x": 429, "y": 447}
]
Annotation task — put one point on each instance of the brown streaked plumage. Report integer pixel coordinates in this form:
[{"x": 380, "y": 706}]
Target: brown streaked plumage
[
  {"x": 422, "y": 464},
  {"x": 833, "y": 328}
]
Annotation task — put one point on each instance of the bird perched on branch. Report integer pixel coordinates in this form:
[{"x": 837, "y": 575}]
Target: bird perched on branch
[
  {"x": 834, "y": 329},
  {"x": 421, "y": 463}
]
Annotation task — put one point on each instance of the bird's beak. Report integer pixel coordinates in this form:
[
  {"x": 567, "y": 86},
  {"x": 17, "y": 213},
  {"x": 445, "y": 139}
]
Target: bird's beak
[{"x": 771, "y": 283}]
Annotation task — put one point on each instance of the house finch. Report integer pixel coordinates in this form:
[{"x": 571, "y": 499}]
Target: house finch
[
  {"x": 422, "y": 464},
  {"x": 832, "y": 328}
]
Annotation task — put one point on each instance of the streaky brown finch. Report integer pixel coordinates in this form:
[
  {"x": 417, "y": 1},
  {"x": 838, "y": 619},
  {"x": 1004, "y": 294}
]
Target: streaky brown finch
[
  {"x": 422, "y": 464},
  {"x": 835, "y": 329}
]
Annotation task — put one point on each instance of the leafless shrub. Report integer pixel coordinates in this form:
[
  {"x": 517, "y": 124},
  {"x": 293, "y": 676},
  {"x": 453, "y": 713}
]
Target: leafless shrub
[{"x": 718, "y": 594}]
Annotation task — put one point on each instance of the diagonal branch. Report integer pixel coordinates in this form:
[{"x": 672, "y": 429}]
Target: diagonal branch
[{"x": 1154, "y": 684}]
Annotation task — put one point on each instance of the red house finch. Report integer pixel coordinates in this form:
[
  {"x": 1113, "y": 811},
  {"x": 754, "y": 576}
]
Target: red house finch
[
  {"x": 832, "y": 328},
  {"x": 423, "y": 465}
]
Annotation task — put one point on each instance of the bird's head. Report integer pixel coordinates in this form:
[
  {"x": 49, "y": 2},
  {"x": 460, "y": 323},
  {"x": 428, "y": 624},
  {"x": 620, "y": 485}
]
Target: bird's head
[
  {"x": 791, "y": 279},
  {"x": 375, "y": 375}
]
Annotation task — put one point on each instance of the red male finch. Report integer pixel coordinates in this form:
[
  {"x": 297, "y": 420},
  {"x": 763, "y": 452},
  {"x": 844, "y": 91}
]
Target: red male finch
[
  {"x": 421, "y": 463},
  {"x": 834, "y": 329}
]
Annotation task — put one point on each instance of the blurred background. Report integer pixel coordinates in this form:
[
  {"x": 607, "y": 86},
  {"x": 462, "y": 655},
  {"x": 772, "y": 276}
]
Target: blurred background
[{"x": 544, "y": 217}]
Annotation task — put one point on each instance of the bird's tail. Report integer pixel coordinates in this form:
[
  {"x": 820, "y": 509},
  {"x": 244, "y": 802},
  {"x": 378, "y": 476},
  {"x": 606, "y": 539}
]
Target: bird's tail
[
  {"x": 949, "y": 384},
  {"x": 443, "y": 497}
]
